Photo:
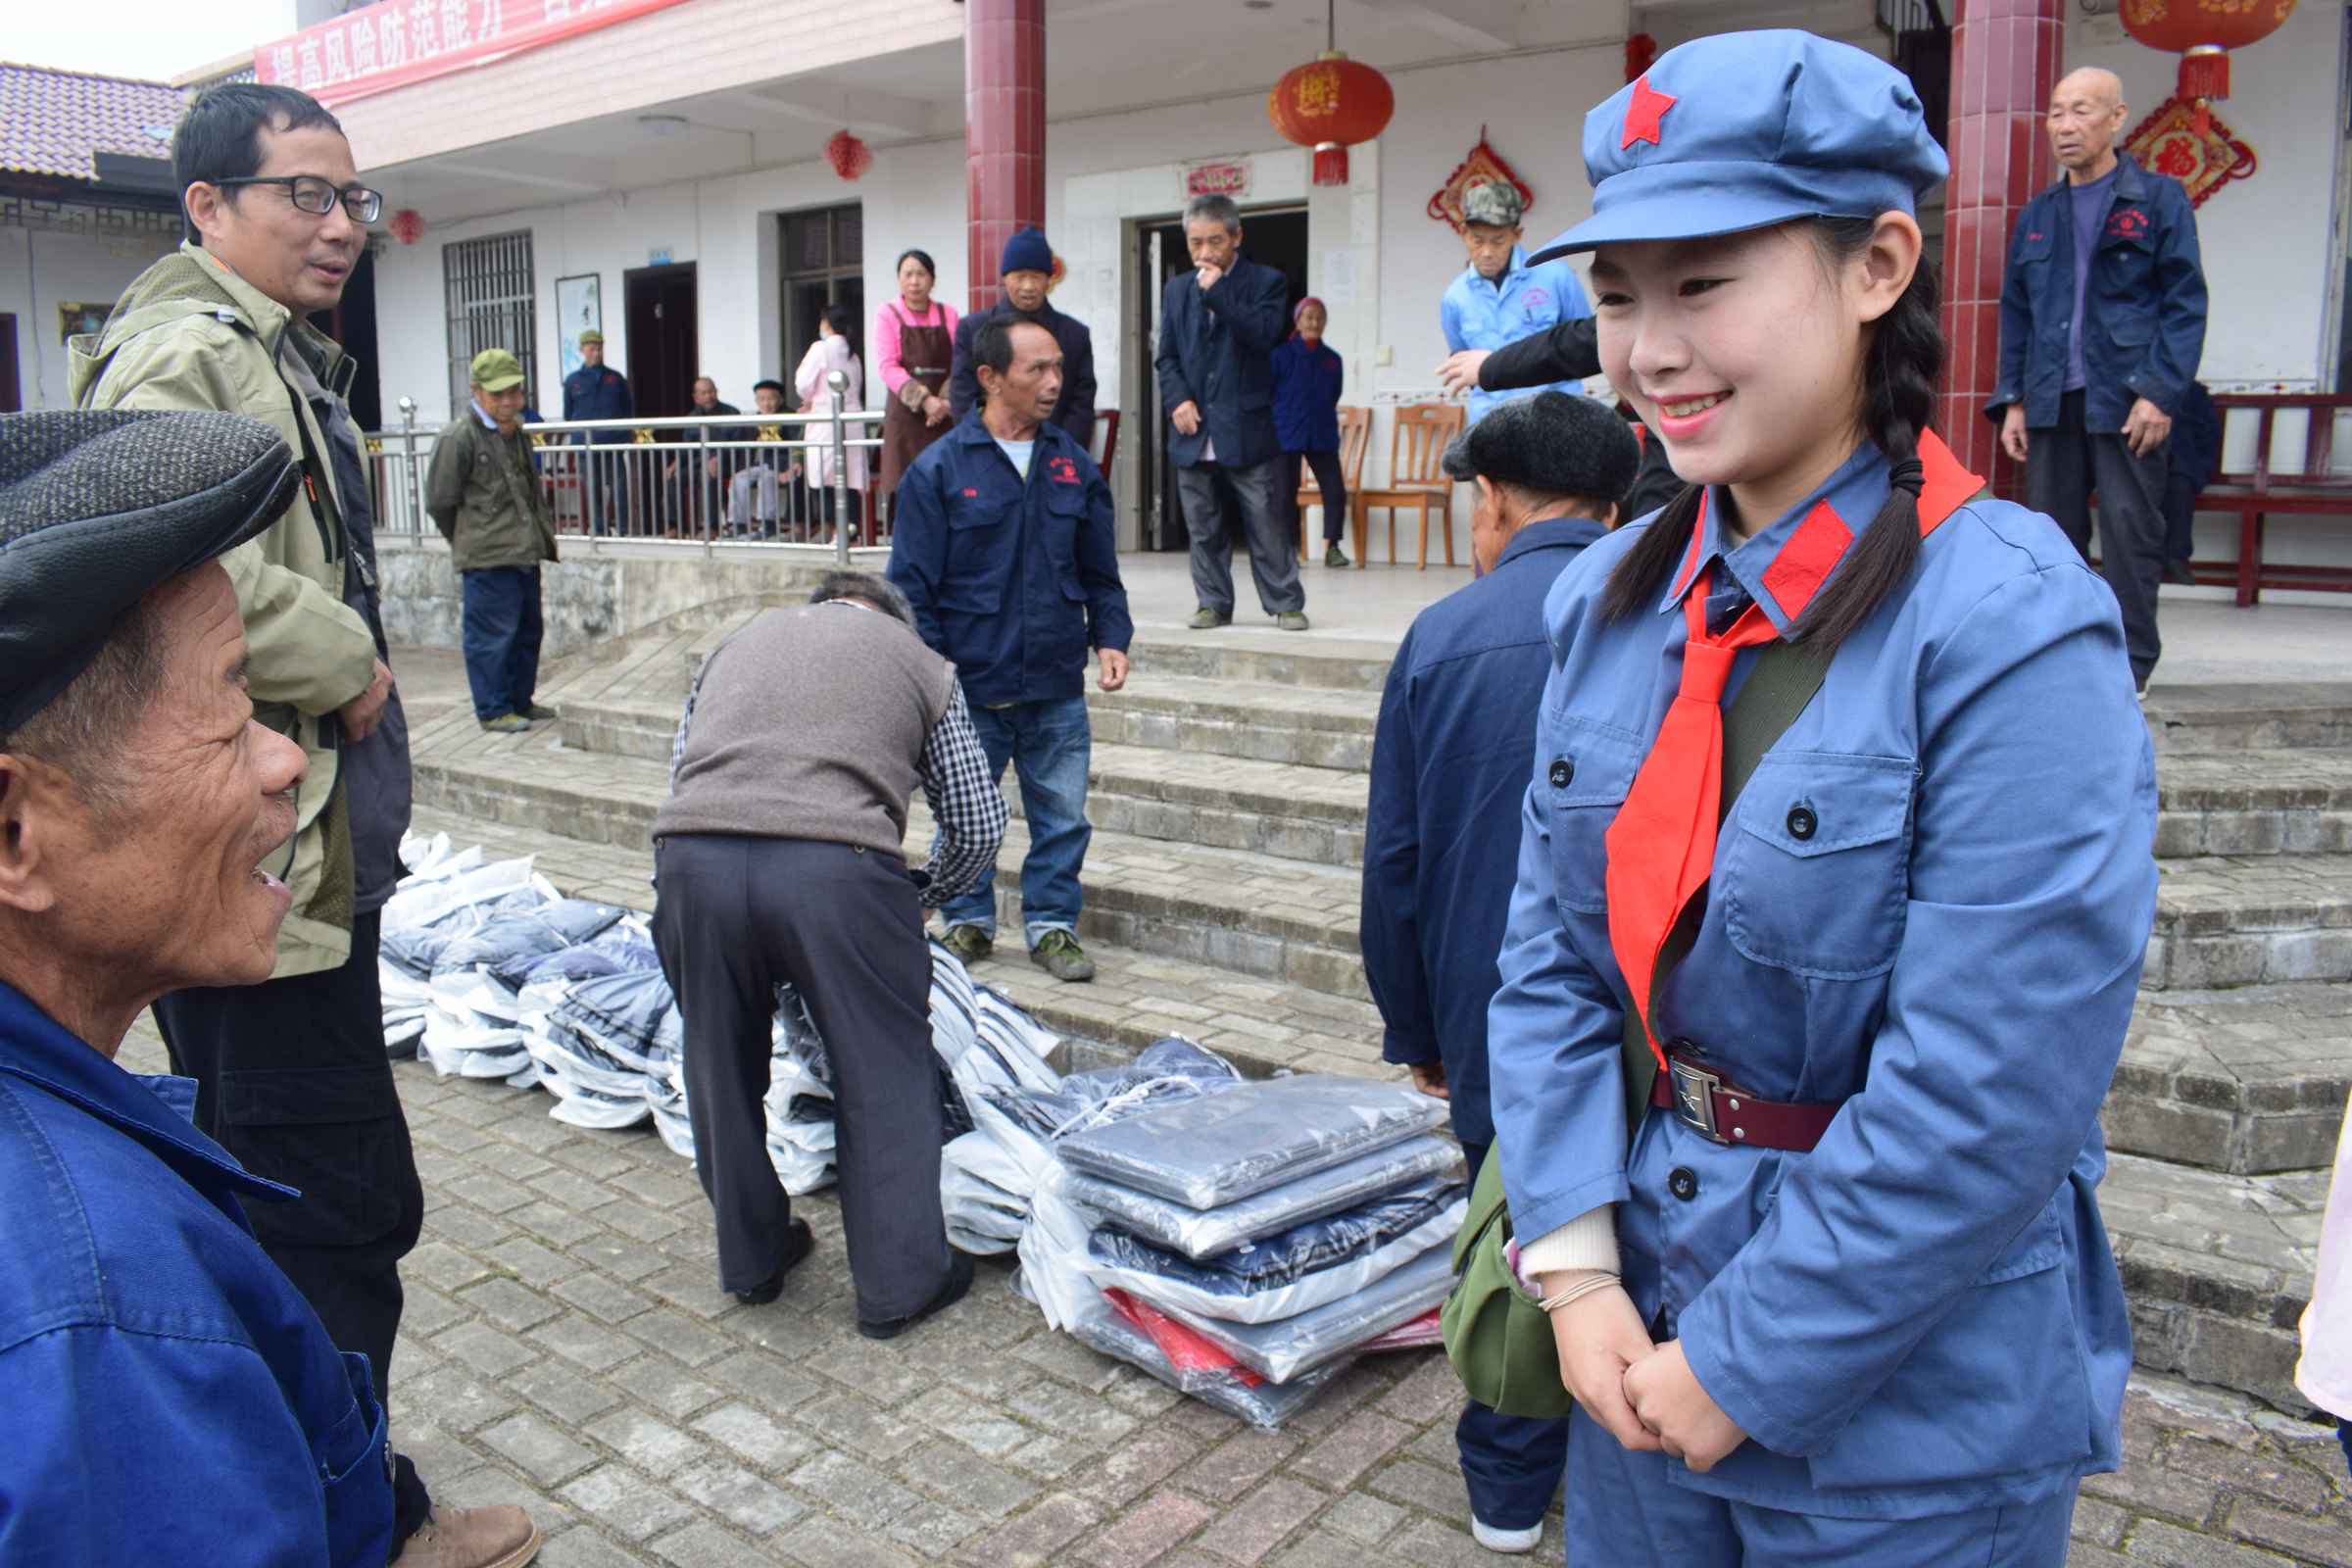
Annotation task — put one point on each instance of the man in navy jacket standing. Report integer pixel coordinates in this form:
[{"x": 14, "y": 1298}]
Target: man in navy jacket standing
[
  {"x": 1218, "y": 327},
  {"x": 1457, "y": 724},
  {"x": 2102, "y": 325}
]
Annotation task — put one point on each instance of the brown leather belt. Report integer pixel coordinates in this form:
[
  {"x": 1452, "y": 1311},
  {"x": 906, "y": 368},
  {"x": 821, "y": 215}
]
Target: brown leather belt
[{"x": 1730, "y": 1114}]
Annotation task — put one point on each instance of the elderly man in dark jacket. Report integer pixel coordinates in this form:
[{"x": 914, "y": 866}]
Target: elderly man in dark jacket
[
  {"x": 1028, "y": 275},
  {"x": 2102, "y": 325}
]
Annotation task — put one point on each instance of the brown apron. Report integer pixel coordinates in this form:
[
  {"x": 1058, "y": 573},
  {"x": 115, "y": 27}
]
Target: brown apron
[{"x": 927, "y": 353}]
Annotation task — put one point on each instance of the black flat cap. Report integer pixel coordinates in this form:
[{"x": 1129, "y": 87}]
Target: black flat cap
[
  {"x": 96, "y": 510},
  {"x": 1552, "y": 443}
]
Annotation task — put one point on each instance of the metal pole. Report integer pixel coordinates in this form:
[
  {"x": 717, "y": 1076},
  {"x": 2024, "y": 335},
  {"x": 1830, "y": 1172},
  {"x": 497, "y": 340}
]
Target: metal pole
[
  {"x": 408, "y": 443},
  {"x": 838, "y": 383},
  {"x": 698, "y": 485}
]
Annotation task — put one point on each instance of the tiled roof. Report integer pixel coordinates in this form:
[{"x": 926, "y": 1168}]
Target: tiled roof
[{"x": 54, "y": 122}]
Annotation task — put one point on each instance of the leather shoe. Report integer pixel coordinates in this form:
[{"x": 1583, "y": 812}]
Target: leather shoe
[
  {"x": 959, "y": 1280},
  {"x": 500, "y": 1537},
  {"x": 798, "y": 1242}
]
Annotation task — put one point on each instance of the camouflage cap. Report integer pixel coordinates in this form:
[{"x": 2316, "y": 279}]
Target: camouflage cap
[
  {"x": 1496, "y": 202},
  {"x": 495, "y": 371}
]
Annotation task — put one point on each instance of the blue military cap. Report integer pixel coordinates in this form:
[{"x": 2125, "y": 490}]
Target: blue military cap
[
  {"x": 96, "y": 508},
  {"x": 1744, "y": 130}
]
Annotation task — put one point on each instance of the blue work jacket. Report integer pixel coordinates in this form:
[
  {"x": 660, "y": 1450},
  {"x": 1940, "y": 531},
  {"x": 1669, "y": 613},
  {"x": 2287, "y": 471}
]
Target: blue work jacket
[
  {"x": 1458, "y": 719},
  {"x": 1308, "y": 379},
  {"x": 1478, "y": 315},
  {"x": 599, "y": 392},
  {"x": 1012, "y": 580},
  {"x": 171, "y": 1397},
  {"x": 1216, "y": 351},
  {"x": 2143, "y": 327},
  {"x": 1931, "y": 904}
]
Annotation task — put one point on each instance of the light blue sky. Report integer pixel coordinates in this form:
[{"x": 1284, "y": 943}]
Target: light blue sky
[{"x": 147, "y": 39}]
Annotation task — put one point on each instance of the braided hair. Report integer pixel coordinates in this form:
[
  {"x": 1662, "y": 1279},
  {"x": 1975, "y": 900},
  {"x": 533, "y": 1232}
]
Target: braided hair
[{"x": 1900, "y": 369}]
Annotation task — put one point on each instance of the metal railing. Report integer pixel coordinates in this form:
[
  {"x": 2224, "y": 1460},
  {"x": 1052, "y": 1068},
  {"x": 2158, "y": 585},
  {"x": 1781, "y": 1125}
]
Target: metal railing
[{"x": 773, "y": 479}]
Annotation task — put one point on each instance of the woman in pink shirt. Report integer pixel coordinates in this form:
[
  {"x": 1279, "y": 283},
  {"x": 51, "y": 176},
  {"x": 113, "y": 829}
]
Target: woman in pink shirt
[{"x": 914, "y": 343}]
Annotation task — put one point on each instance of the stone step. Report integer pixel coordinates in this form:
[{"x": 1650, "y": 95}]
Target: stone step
[
  {"x": 2270, "y": 801},
  {"x": 2237, "y": 717},
  {"x": 2248, "y": 1082},
  {"x": 2255, "y": 919}
]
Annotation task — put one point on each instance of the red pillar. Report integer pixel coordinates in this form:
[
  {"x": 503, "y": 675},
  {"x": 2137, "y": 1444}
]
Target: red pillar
[
  {"x": 1003, "y": 134},
  {"x": 2006, "y": 57}
]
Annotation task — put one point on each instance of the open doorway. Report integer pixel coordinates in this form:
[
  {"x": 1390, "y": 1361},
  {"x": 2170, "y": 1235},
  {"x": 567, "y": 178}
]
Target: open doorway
[
  {"x": 660, "y": 306},
  {"x": 1273, "y": 236},
  {"x": 351, "y": 322}
]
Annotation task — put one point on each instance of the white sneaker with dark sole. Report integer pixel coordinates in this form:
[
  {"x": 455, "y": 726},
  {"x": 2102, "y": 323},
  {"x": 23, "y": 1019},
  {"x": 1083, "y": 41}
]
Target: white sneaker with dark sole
[{"x": 1513, "y": 1543}]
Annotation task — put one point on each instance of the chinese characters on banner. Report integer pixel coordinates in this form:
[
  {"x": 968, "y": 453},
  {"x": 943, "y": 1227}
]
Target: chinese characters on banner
[{"x": 399, "y": 42}]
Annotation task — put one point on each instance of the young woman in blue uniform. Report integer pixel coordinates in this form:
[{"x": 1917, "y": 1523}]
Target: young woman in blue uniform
[{"x": 1843, "y": 1295}]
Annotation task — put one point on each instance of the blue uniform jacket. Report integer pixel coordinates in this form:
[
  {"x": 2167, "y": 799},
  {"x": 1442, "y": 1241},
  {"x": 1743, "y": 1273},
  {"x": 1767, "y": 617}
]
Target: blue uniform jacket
[
  {"x": 171, "y": 1398},
  {"x": 1478, "y": 315},
  {"x": 1074, "y": 410},
  {"x": 1012, "y": 580},
  {"x": 1307, "y": 394},
  {"x": 599, "y": 392},
  {"x": 1216, "y": 349},
  {"x": 1922, "y": 1315},
  {"x": 1441, "y": 838},
  {"x": 2144, "y": 307}
]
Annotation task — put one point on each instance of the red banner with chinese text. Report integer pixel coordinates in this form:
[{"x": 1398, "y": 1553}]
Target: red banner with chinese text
[{"x": 397, "y": 43}]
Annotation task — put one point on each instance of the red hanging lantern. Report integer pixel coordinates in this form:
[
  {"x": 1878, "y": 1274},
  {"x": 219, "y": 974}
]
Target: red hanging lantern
[
  {"x": 2202, "y": 33},
  {"x": 1330, "y": 103},
  {"x": 1640, "y": 50},
  {"x": 407, "y": 225},
  {"x": 849, "y": 155}
]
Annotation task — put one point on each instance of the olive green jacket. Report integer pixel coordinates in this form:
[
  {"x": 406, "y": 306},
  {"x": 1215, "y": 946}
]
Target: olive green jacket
[
  {"x": 189, "y": 333},
  {"x": 483, "y": 494}
]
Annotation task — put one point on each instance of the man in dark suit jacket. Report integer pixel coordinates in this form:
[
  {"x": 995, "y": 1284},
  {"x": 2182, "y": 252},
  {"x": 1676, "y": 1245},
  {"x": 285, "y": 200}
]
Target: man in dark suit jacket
[
  {"x": 1218, "y": 325},
  {"x": 1028, "y": 272}
]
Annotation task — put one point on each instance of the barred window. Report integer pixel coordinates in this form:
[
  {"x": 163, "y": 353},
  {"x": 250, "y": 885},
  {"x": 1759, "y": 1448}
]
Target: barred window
[{"x": 488, "y": 283}]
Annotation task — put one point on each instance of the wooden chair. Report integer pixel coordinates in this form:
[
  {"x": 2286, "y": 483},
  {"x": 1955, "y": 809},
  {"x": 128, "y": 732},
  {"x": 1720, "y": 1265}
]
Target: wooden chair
[
  {"x": 1356, "y": 438},
  {"x": 1416, "y": 444},
  {"x": 2320, "y": 488},
  {"x": 1107, "y": 436}
]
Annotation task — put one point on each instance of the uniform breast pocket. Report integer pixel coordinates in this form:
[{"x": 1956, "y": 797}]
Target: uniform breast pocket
[
  {"x": 1815, "y": 876},
  {"x": 1065, "y": 514},
  {"x": 1583, "y": 770}
]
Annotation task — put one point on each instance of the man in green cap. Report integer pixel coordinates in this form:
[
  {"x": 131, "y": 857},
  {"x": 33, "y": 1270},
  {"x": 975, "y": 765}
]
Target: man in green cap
[
  {"x": 597, "y": 391},
  {"x": 484, "y": 497}
]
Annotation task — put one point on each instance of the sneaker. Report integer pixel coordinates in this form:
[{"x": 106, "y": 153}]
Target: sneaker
[
  {"x": 1291, "y": 620},
  {"x": 968, "y": 943},
  {"x": 539, "y": 714},
  {"x": 798, "y": 1242},
  {"x": 500, "y": 1537},
  {"x": 959, "y": 1280},
  {"x": 507, "y": 725},
  {"x": 1208, "y": 619},
  {"x": 1058, "y": 953},
  {"x": 1511, "y": 1542},
  {"x": 1333, "y": 557}
]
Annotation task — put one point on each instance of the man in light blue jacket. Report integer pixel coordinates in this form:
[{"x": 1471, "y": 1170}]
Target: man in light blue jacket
[{"x": 1498, "y": 298}]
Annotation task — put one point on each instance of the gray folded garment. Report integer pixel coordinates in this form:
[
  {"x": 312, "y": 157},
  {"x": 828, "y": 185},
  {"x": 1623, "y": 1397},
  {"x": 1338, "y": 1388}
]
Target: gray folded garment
[
  {"x": 1292, "y": 1346},
  {"x": 1204, "y": 1232}
]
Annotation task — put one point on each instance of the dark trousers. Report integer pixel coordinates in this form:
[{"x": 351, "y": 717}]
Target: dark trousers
[
  {"x": 2064, "y": 465},
  {"x": 733, "y": 917},
  {"x": 1328, "y": 479},
  {"x": 1211, "y": 522},
  {"x": 1512, "y": 1464},
  {"x": 503, "y": 631}
]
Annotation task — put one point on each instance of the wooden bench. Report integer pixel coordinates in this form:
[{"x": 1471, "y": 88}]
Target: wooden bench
[{"x": 2256, "y": 493}]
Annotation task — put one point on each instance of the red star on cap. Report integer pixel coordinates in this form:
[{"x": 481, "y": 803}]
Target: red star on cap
[{"x": 1642, "y": 115}]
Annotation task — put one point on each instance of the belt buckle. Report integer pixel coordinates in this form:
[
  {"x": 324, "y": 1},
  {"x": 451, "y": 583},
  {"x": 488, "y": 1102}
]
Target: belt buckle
[{"x": 1695, "y": 1097}]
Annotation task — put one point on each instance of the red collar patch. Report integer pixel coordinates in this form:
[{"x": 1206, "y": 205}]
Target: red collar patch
[{"x": 1642, "y": 113}]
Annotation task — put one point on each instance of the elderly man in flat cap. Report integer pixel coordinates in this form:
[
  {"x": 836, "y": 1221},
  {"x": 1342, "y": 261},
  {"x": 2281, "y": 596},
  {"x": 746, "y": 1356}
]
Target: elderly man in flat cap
[
  {"x": 171, "y": 1397},
  {"x": 1457, "y": 724},
  {"x": 483, "y": 494}
]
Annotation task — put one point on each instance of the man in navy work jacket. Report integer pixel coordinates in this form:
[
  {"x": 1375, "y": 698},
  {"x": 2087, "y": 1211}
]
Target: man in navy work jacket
[
  {"x": 1457, "y": 726},
  {"x": 597, "y": 391},
  {"x": 2102, "y": 325},
  {"x": 1218, "y": 327},
  {"x": 1004, "y": 548},
  {"x": 171, "y": 1397},
  {"x": 1027, "y": 269}
]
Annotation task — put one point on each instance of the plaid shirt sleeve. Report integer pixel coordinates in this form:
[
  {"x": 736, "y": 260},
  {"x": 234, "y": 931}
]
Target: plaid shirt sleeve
[
  {"x": 677, "y": 747},
  {"x": 966, "y": 803}
]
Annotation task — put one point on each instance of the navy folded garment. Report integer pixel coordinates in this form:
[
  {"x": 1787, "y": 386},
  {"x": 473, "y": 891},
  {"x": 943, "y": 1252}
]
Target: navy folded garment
[
  {"x": 1291, "y": 1255},
  {"x": 533, "y": 933},
  {"x": 1199, "y": 1232}
]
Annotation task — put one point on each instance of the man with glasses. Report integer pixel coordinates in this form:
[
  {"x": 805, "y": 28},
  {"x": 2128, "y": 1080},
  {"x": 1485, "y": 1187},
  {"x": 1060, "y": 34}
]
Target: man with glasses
[{"x": 291, "y": 1075}]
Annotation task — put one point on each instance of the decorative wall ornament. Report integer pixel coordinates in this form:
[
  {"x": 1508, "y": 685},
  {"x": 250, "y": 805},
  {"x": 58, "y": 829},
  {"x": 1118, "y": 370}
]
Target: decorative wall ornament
[
  {"x": 849, "y": 155},
  {"x": 1639, "y": 51},
  {"x": 407, "y": 225},
  {"x": 1483, "y": 165},
  {"x": 2171, "y": 143}
]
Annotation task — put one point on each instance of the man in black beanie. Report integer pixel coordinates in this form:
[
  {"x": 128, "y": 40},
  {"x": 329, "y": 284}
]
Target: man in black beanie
[
  {"x": 1450, "y": 768},
  {"x": 1028, "y": 273}
]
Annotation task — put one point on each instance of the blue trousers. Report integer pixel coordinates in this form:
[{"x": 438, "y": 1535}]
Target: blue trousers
[
  {"x": 1623, "y": 1511},
  {"x": 1049, "y": 745},
  {"x": 1511, "y": 1464},
  {"x": 502, "y": 635}
]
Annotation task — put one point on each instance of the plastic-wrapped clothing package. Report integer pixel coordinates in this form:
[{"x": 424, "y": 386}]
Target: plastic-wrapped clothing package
[
  {"x": 1419, "y": 1334},
  {"x": 1284, "y": 1350},
  {"x": 1203, "y": 1232},
  {"x": 1298, "y": 1271},
  {"x": 1259, "y": 1402},
  {"x": 1252, "y": 1137},
  {"x": 511, "y": 940}
]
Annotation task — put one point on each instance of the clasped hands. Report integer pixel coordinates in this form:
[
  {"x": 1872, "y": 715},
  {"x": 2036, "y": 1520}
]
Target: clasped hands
[{"x": 1645, "y": 1395}]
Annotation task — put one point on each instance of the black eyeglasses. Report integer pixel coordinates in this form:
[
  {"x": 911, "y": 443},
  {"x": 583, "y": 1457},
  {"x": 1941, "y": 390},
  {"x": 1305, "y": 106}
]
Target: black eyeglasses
[{"x": 317, "y": 197}]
